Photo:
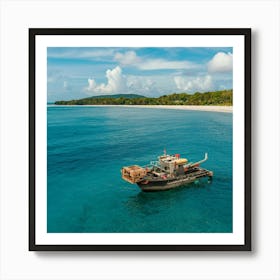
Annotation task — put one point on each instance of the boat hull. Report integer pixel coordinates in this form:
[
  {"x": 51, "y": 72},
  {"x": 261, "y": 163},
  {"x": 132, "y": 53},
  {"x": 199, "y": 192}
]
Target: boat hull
[{"x": 167, "y": 184}]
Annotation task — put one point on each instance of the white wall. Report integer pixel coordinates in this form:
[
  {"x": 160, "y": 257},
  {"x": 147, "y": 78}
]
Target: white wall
[{"x": 17, "y": 262}]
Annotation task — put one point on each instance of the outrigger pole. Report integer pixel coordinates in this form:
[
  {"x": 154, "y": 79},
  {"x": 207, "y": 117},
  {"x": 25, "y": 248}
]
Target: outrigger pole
[{"x": 198, "y": 162}]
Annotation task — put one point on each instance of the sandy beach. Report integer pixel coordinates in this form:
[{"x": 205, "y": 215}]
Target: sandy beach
[{"x": 222, "y": 109}]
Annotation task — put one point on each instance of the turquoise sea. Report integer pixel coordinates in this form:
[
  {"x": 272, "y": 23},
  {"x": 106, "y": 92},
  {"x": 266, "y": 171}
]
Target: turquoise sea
[{"x": 87, "y": 146}]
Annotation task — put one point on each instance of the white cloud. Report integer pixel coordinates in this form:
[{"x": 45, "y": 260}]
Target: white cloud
[
  {"x": 119, "y": 83},
  {"x": 79, "y": 53},
  {"x": 116, "y": 83},
  {"x": 91, "y": 85},
  {"x": 96, "y": 53},
  {"x": 127, "y": 58},
  {"x": 159, "y": 64},
  {"x": 221, "y": 62},
  {"x": 147, "y": 86},
  {"x": 130, "y": 58},
  {"x": 66, "y": 86},
  {"x": 193, "y": 84}
]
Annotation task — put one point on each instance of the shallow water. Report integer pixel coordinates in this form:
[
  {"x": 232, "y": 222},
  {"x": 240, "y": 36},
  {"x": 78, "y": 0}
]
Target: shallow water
[{"x": 87, "y": 146}]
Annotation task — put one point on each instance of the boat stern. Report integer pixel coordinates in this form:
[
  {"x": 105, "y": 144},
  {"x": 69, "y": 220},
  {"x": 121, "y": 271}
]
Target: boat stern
[{"x": 133, "y": 174}]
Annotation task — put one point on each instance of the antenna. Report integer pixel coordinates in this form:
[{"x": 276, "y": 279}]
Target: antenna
[{"x": 164, "y": 151}]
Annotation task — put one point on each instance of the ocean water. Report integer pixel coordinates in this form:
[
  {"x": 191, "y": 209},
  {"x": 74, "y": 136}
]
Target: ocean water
[{"x": 87, "y": 147}]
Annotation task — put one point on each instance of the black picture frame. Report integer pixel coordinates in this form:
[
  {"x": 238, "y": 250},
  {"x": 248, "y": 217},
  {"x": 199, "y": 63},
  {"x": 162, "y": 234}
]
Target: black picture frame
[{"x": 245, "y": 32}]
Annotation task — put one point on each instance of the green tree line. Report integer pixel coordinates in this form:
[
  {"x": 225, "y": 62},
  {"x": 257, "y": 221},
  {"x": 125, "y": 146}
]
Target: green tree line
[{"x": 223, "y": 97}]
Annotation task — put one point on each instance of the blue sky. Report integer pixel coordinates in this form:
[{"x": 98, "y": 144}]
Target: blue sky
[{"x": 75, "y": 73}]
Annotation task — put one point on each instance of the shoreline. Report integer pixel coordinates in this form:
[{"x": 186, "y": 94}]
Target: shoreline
[{"x": 208, "y": 108}]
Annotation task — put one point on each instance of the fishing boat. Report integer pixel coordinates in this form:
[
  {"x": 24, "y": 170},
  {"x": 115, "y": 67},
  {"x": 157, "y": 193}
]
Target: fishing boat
[{"x": 168, "y": 172}]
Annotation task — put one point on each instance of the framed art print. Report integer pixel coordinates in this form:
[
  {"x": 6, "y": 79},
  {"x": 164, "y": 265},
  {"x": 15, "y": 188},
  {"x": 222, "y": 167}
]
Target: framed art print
[{"x": 140, "y": 139}]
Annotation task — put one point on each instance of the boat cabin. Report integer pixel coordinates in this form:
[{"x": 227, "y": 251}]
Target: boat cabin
[{"x": 172, "y": 164}]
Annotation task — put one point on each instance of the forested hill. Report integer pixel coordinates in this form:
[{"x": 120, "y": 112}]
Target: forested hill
[
  {"x": 117, "y": 96},
  {"x": 223, "y": 97}
]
